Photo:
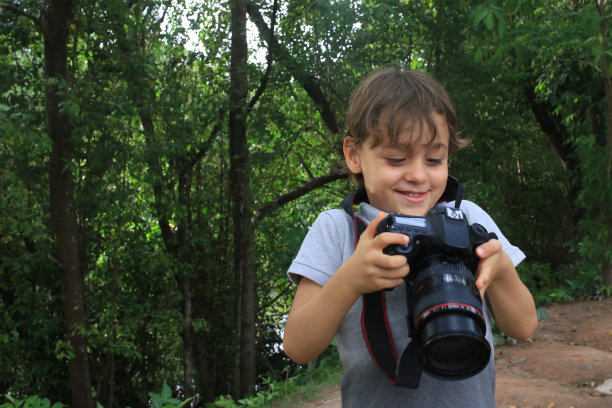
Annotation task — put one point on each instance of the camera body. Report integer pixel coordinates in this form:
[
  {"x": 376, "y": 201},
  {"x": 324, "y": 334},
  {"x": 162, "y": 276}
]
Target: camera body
[
  {"x": 445, "y": 315},
  {"x": 444, "y": 231}
]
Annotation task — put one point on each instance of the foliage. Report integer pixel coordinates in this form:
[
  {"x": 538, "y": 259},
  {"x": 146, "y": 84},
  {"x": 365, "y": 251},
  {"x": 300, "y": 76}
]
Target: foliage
[
  {"x": 556, "y": 50},
  {"x": 165, "y": 400},
  {"x": 301, "y": 384},
  {"x": 561, "y": 284},
  {"x": 162, "y": 400},
  {"x": 30, "y": 402}
]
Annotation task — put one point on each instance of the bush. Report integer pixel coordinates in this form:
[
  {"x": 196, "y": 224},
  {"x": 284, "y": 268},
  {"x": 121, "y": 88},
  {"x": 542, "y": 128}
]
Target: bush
[
  {"x": 161, "y": 400},
  {"x": 30, "y": 402},
  {"x": 299, "y": 385},
  {"x": 562, "y": 284}
]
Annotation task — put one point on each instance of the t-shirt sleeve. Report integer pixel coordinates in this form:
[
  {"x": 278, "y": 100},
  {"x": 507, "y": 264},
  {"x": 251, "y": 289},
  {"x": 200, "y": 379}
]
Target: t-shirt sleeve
[
  {"x": 475, "y": 214},
  {"x": 321, "y": 253}
]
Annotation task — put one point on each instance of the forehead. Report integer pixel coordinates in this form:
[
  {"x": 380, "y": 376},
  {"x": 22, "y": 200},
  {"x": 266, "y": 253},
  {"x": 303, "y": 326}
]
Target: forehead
[{"x": 417, "y": 133}]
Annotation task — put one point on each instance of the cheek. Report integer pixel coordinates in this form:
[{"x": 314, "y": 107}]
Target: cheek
[
  {"x": 386, "y": 176},
  {"x": 440, "y": 180},
  {"x": 443, "y": 176}
]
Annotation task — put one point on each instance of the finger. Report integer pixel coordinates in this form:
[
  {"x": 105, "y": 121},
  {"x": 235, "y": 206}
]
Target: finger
[
  {"x": 488, "y": 249},
  {"x": 391, "y": 283},
  {"x": 388, "y": 238},
  {"x": 391, "y": 262},
  {"x": 483, "y": 279},
  {"x": 393, "y": 278},
  {"x": 391, "y": 238}
]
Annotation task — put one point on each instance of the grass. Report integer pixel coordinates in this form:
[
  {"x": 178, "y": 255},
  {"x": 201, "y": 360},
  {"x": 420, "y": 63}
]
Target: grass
[
  {"x": 312, "y": 389},
  {"x": 299, "y": 388},
  {"x": 310, "y": 384}
]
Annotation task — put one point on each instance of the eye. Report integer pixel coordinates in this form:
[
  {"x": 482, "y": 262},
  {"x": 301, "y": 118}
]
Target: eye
[
  {"x": 434, "y": 161},
  {"x": 394, "y": 161}
]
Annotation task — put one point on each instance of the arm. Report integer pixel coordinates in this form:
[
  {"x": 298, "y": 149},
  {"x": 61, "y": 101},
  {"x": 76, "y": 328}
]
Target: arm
[
  {"x": 318, "y": 311},
  {"x": 509, "y": 299}
]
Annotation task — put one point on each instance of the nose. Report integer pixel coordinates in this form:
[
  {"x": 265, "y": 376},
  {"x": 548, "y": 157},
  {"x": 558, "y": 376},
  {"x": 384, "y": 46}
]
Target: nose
[{"x": 416, "y": 172}]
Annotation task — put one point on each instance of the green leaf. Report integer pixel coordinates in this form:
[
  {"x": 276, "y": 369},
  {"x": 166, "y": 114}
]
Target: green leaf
[
  {"x": 166, "y": 392},
  {"x": 156, "y": 400},
  {"x": 489, "y": 21},
  {"x": 479, "y": 55},
  {"x": 478, "y": 13}
]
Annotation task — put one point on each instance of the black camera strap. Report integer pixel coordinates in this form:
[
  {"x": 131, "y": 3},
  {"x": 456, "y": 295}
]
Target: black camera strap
[
  {"x": 453, "y": 191},
  {"x": 405, "y": 371}
]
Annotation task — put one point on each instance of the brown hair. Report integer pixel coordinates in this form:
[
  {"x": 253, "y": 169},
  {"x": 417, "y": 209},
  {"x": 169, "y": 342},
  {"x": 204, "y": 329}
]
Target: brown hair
[{"x": 387, "y": 98}]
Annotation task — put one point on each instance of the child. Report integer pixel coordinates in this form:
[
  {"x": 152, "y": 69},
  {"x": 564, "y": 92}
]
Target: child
[{"x": 400, "y": 132}]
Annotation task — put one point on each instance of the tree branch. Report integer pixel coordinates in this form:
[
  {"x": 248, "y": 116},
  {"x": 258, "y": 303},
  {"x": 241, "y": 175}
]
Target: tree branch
[
  {"x": 197, "y": 156},
  {"x": 287, "y": 285},
  {"x": 304, "y": 189},
  {"x": 23, "y": 13},
  {"x": 301, "y": 159},
  {"x": 305, "y": 79},
  {"x": 262, "y": 86},
  {"x": 269, "y": 60}
]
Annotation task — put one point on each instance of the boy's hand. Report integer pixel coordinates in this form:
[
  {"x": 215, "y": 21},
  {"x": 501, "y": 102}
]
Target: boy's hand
[
  {"x": 492, "y": 260},
  {"x": 508, "y": 298},
  {"x": 369, "y": 269}
]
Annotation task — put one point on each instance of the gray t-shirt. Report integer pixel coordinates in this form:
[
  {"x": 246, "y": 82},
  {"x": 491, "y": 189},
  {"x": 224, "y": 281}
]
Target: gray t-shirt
[{"x": 328, "y": 244}]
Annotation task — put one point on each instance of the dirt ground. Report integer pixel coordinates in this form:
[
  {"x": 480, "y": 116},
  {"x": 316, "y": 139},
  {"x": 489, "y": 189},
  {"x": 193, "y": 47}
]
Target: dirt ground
[{"x": 568, "y": 357}]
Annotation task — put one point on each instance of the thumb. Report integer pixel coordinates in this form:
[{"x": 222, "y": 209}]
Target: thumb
[
  {"x": 488, "y": 249},
  {"x": 370, "y": 231}
]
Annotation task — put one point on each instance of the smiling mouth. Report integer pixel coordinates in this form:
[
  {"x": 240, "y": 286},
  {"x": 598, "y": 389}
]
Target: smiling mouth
[{"x": 414, "y": 196}]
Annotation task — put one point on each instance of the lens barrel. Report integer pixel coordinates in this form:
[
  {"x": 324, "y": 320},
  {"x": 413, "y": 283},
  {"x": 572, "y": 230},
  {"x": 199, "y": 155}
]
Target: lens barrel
[{"x": 448, "y": 321}]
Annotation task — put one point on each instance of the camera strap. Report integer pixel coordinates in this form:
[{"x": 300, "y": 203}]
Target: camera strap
[
  {"x": 453, "y": 191},
  {"x": 405, "y": 371}
]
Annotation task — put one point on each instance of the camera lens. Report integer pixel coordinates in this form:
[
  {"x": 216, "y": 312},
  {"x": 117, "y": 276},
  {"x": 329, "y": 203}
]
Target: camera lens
[
  {"x": 449, "y": 321},
  {"x": 453, "y": 346}
]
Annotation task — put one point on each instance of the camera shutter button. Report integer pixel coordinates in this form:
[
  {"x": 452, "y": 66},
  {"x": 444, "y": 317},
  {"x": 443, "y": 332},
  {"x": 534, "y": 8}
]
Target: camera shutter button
[{"x": 409, "y": 247}]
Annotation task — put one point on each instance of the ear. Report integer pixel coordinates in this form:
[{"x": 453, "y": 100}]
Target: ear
[{"x": 351, "y": 155}]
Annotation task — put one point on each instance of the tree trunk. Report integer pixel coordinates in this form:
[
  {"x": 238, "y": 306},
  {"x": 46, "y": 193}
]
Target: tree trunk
[
  {"x": 606, "y": 216},
  {"x": 552, "y": 125},
  {"x": 176, "y": 246},
  {"x": 185, "y": 176},
  {"x": 54, "y": 21},
  {"x": 245, "y": 374}
]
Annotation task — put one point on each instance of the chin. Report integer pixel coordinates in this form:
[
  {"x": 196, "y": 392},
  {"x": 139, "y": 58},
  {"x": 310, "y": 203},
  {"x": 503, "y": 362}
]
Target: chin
[{"x": 414, "y": 212}]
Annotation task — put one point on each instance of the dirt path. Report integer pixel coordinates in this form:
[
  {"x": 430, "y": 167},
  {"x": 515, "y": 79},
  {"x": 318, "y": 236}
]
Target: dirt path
[{"x": 570, "y": 355}]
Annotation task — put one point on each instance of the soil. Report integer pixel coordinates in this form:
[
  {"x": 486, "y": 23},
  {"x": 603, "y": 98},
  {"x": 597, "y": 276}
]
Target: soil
[{"x": 563, "y": 365}]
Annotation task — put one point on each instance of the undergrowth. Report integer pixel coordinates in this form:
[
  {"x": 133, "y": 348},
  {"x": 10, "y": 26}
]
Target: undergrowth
[
  {"x": 562, "y": 284},
  {"x": 298, "y": 387}
]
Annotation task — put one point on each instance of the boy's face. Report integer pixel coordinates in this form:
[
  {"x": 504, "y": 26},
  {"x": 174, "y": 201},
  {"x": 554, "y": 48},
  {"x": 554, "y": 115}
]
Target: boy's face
[{"x": 408, "y": 177}]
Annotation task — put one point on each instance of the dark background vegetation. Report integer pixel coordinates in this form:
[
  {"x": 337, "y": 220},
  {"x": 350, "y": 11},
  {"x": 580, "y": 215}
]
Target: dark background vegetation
[{"x": 161, "y": 161}]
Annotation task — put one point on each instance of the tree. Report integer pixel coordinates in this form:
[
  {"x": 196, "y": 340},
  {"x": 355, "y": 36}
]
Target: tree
[
  {"x": 54, "y": 23},
  {"x": 558, "y": 54},
  {"x": 239, "y": 183},
  {"x": 601, "y": 56}
]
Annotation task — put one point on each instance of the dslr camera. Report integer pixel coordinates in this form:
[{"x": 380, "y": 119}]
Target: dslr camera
[{"x": 445, "y": 316}]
